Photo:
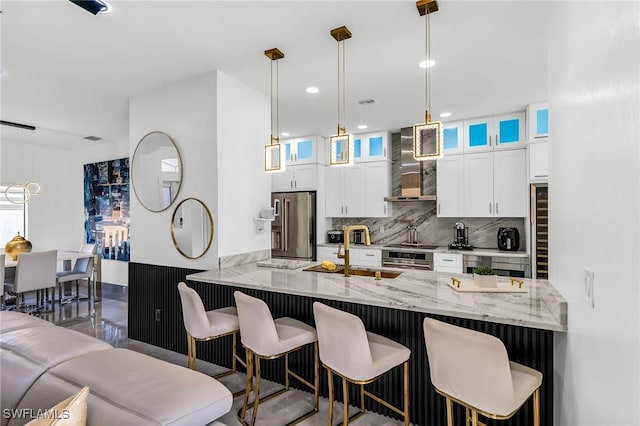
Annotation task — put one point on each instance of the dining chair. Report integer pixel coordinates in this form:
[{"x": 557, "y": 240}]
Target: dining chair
[
  {"x": 35, "y": 272},
  {"x": 82, "y": 269}
]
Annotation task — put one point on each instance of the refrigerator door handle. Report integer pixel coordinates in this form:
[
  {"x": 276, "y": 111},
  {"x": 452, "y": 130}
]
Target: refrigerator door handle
[
  {"x": 285, "y": 225},
  {"x": 276, "y": 207}
]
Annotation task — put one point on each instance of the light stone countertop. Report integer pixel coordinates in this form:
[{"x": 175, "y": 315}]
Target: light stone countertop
[
  {"x": 443, "y": 249},
  {"x": 419, "y": 291}
]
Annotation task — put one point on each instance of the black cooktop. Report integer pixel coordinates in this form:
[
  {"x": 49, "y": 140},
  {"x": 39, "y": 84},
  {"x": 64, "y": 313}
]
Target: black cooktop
[{"x": 410, "y": 245}]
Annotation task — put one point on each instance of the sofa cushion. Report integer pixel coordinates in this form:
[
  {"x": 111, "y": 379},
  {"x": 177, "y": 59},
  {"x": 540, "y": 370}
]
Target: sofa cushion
[
  {"x": 10, "y": 321},
  {"x": 150, "y": 388},
  {"x": 70, "y": 412},
  {"x": 18, "y": 373},
  {"x": 50, "y": 346}
]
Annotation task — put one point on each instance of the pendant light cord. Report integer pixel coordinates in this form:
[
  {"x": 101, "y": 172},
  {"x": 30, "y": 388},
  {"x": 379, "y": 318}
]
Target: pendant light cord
[
  {"x": 275, "y": 123},
  {"x": 428, "y": 72},
  {"x": 277, "y": 102}
]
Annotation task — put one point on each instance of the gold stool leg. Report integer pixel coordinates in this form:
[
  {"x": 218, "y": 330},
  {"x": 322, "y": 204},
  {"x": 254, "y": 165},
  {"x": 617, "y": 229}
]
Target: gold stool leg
[
  {"x": 330, "y": 380},
  {"x": 474, "y": 418},
  {"x": 235, "y": 353},
  {"x": 256, "y": 400},
  {"x": 450, "y": 413},
  {"x": 193, "y": 353},
  {"x": 249, "y": 385},
  {"x": 286, "y": 371},
  {"x": 406, "y": 393},
  {"x": 189, "y": 355},
  {"x": 361, "y": 398},
  {"x": 536, "y": 407},
  {"x": 316, "y": 376},
  {"x": 345, "y": 397}
]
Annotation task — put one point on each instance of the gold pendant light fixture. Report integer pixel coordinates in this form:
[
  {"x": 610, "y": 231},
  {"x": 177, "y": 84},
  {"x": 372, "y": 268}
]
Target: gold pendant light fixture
[
  {"x": 427, "y": 136},
  {"x": 274, "y": 156},
  {"x": 341, "y": 145}
]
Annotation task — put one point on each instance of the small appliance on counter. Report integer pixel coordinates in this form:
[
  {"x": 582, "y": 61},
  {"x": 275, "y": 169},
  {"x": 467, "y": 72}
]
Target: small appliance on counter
[
  {"x": 358, "y": 236},
  {"x": 508, "y": 239},
  {"x": 460, "y": 237},
  {"x": 335, "y": 237}
]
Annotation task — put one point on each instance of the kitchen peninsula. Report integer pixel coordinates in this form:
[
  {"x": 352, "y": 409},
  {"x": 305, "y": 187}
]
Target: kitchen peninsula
[{"x": 525, "y": 322}]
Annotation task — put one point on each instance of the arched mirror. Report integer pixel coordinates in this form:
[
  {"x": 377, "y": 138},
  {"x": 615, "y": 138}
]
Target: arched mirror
[
  {"x": 156, "y": 171},
  {"x": 192, "y": 228}
]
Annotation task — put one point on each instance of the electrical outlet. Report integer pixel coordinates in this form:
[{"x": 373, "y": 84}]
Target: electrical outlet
[
  {"x": 157, "y": 315},
  {"x": 382, "y": 229},
  {"x": 588, "y": 286}
]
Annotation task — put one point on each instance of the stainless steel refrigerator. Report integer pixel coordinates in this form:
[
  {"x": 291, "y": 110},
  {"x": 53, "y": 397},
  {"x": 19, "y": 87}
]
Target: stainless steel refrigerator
[{"x": 293, "y": 231}]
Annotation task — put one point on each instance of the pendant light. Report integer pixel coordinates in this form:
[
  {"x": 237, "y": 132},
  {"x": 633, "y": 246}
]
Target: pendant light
[
  {"x": 427, "y": 136},
  {"x": 341, "y": 144},
  {"x": 274, "y": 160}
]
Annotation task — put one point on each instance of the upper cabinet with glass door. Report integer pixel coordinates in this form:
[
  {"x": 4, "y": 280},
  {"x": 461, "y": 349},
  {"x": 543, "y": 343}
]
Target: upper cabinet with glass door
[
  {"x": 538, "y": 120},
  {"x": 452, "y": 137},
  {"x": 371, "y": 147},
  {"x": 304, "y": 150},
  {"x": 496, "y": 132}
]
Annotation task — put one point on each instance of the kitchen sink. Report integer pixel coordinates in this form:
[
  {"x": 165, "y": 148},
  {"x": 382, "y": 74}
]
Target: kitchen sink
[{"x": 372, "y": 273}]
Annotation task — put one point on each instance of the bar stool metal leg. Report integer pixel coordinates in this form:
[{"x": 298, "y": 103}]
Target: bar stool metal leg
[
  {"x": 345, "y": 398},
  {"x": 330, "y": 380}
]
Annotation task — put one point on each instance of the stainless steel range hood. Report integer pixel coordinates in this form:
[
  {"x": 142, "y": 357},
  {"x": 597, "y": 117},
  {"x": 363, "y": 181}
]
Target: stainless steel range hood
[{"x": 410, "y": 171}]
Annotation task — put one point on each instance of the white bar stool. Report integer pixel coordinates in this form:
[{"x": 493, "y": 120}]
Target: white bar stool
[
  {"x": 357, "y": 356},
  {"x": 204, "y": 325},
  {"x": 266, "y": 338},
  {"x": 473, "y": 369}
]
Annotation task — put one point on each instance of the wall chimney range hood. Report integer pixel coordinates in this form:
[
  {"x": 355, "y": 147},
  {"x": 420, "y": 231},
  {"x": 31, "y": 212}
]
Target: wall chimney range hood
[{"x": 410, "y": 172}]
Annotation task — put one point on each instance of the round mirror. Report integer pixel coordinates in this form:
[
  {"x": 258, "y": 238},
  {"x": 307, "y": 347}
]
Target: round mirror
[
  {"x": 156, "y": 171},
  {"x": 192, "y": 228}
]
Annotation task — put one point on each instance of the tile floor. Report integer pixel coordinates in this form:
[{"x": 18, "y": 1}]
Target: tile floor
[{"x": 107, "y": 320}]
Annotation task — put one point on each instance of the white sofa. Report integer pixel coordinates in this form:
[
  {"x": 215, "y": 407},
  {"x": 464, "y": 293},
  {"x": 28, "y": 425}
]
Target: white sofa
[{"x": 41, "y": 364}]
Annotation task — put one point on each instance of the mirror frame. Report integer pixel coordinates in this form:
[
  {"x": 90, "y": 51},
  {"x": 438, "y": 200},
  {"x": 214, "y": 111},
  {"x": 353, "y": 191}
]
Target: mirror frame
[
  {"x": 417, "y": 143},
  {"x": 211, "y": 226},
  {"x": 133, "y": 168}
]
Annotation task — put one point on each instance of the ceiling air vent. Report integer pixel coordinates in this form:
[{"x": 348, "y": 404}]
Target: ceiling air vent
[
  {"x": 92, "y": 138},
  {"x": 365, "y": 102}
]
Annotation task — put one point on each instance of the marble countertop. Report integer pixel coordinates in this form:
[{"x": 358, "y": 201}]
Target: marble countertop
[
  {"x": 421, "y": 291},
  {"x": 443, "y": 249}
]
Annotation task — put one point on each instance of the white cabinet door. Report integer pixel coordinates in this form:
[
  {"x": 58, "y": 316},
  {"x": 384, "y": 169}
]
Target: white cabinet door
[
  {"x": 377, "y": 178},
  {"x": 449, "y": 178},
  {"x": 452, "y": 138},
  {"x": 509, "y": 130},
  {"x": 509, "y": 183},
  {"x": 478, "y": 134},
  {"x": 447, "y": 262},
  {"x": 330, "y": 254},
  {"x": 478, "y": 185},
  {"x": 301, "y": 150},
  {"x": 538, "y": 121},
  {"x": 305, "y": 177},
  {"x": 282, "y": 181},
  {"x": 371, "y": 147},
  {"x": 366, "y": 257},
  {"x": 334, "y": 187},
  {"x": 354, "y": 193},
  {"x": 539, "y": 161}
]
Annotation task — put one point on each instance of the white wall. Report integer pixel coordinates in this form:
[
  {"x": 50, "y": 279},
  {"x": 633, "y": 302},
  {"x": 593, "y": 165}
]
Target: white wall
[
  {"x": 244, "y": 188},
  {"x": 56, "y": 216},
  {"x": 186, "y": 111},
  {"x": 594, "y": 211}
]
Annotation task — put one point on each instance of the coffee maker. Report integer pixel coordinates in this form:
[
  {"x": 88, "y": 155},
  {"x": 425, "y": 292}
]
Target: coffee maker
[
  {"x": 460, "y": 237},
  {"x": 508, "y": 239}
]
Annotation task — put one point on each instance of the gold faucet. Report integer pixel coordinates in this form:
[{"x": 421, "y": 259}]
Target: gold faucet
[{"x": 345, "y": 255}]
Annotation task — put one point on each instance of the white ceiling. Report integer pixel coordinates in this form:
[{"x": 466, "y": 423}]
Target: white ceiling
[{"x": 70, "y": 71}]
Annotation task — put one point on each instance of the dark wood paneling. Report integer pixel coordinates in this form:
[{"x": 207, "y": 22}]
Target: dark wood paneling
[{"x": 155, "y": 287}]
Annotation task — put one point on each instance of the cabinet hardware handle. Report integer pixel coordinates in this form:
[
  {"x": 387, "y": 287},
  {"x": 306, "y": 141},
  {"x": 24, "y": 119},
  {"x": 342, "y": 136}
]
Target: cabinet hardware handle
[
  {"x": 291, "y": 184},
  {"x": 447, "y": 260},
  {"x": 346, "y": 209},
  {"x": 341, "y": 209},
  {"x": 438, "y": 208},
  {"x": 489, "y": 140},
  {"x": 295, "y": 183},
  {"x": 385, "y": 209},
  {"x": 490, "y": 211},
  {"x": 497, "y": 208},
  {"x": 539, "y": 176},
  {"x": 370, "y": 255}
]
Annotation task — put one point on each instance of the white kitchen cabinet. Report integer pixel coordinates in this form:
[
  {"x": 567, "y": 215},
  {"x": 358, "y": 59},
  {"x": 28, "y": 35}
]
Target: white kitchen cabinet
[
  {"x": 345, "y": 195},
  {"x": 367, "y": 257},
  {"x": 304, "y": 150},
  {"x": 538, "y": 161},
  {"x": 328, "y": 253},
  {"x": 302, "y": 177},
  {"x": 372, "y": 146},
  {"x": 538, "y": 121},
  {"x": 449, "y": 178},
  {"x": 478, "y": 185},
  {"x": 452, "y": 138},
  {"x": 495, "y": 132},
  {"x": 447, "y": 262},
  {"x": 509, "y": 183},
  {"x": 495, "y": 184},
  {"x": 377, "y": 185}
]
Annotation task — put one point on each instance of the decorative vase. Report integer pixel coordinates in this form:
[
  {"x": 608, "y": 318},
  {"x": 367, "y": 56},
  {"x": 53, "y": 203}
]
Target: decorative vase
[
  {"x": 485, "y": 281},
  {"x": 16, "y": 246}
]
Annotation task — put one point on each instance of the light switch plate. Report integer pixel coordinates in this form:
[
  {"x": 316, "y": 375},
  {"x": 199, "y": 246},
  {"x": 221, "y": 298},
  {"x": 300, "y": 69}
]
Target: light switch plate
[{"x": 588, "y": 286}]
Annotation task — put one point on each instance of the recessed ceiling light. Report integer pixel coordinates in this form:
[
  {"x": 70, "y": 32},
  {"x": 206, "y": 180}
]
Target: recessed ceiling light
[
  {"x": 445, "y": 114},
  {"x": 427, "y": 64},
  {"x": 312, "y": 89},
  {"x": 285, "y": 134},
  {"x": 362, "y": 126}
]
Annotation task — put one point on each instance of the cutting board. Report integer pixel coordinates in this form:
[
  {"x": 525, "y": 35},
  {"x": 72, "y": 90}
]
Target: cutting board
[{"x": 319, "y": 268}]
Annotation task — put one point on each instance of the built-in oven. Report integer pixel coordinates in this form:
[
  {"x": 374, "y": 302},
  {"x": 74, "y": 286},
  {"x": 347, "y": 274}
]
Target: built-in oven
[{"x": 415, "y": 259}]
